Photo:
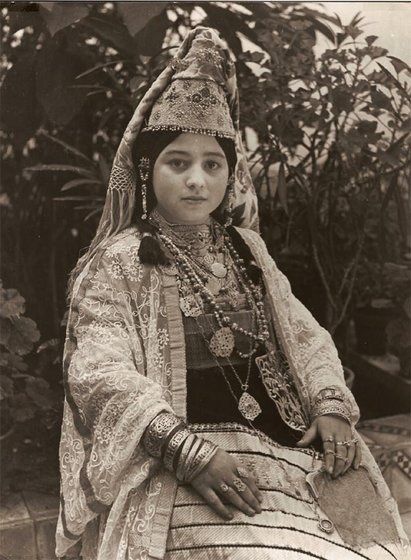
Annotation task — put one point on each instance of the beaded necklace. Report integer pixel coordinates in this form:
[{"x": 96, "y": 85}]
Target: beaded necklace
[
  {"x": 222, "y": 342},
  {"x": 191, "y": 272},
  {"x": 203, "y": 245}
]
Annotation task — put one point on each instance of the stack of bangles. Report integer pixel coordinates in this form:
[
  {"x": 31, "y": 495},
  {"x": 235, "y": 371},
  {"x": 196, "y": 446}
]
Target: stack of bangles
[
  {"x": 331, "y": 401},
  {"x": 183, "y": 453}
]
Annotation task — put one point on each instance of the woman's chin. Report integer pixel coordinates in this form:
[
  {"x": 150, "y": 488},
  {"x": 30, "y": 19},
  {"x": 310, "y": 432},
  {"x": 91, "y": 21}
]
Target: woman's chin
[{"x": 194, "y": 214}]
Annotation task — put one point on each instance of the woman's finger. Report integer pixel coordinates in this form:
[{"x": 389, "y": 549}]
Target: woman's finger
[
  {"x": 329, "y": 454},
  {"x": 340, "y": 458},
  {"x": 215, "y": 502},
  {"x": 252, "y": 484},
  {"x": 247, "y": 494},
  {"x": 350, "y": 457},
  {"x": 308, "y": 437},
  {"x": 231, "y": 494},
  {"x": 358, "y": 456}
]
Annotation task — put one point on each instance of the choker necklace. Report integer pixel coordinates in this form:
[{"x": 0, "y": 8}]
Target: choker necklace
[
  {"x": 203, "y": 244},
  {"x": 193, "y": 237}
]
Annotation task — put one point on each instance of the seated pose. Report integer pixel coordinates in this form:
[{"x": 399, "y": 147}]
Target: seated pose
[{"x": 206, "y": 413}]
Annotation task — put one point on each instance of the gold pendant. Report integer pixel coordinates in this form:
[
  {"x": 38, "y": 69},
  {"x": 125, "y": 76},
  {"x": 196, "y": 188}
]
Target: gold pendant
[
  {"x": 189, "y": 306},
  {"x": 219, "y": 270},
  {"x": 248, "y": 406},
  {"x": 222, "y": 342}
]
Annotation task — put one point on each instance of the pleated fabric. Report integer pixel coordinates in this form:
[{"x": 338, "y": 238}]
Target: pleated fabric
[{"x": 287, "y": 528}]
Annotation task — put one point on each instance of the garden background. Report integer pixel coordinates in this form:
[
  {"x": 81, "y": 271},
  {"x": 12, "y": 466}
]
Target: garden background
[{"x": 328, "y": 136}]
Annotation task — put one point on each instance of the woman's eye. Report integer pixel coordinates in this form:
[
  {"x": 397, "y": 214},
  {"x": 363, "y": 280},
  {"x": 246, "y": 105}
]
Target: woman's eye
[
  {"x": 177, "y": 163},
  {"x": 213, "y": 165}
]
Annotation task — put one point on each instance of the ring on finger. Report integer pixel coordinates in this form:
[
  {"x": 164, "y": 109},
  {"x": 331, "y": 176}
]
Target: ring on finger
[
  {"x": 242, "y": 472},
  {"x": 239, "y": 485},
  {"x": 340, "y": 457},
  {"x": 346, "y": 443},
  {"x": 224, "y": 487},
  {"x": 329, "y": 452},
  {"x": 329, "y": 438}
]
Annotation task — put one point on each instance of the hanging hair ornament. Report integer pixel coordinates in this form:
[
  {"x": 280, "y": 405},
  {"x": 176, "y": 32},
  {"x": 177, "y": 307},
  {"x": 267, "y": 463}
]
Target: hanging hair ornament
[
  {"x": 144, "y": 170},
  {"x": 230, "y": 201}
]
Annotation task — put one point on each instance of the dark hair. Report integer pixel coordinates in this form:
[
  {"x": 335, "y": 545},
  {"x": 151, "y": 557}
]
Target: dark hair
[{"x": 150, "y": 144}]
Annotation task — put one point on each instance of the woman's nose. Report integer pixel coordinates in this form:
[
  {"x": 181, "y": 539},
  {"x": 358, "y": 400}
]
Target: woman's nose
[{"x": 195, "y": 179}]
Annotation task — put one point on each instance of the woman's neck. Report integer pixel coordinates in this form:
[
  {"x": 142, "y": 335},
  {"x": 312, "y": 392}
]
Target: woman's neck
[
  {"x": 160, "y": 215},
  {"x": 195, "y": 236}
]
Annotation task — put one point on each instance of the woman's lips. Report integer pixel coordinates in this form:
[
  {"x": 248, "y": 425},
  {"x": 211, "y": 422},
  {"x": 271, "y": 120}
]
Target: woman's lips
[{"x": 194, "y": 200}]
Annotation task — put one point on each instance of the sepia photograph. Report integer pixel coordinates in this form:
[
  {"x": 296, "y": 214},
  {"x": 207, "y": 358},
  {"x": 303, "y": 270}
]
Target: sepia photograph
[{"x": 205, "y": 288}]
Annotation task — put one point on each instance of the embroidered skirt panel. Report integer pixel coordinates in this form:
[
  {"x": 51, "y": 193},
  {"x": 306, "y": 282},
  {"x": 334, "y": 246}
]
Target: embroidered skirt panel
[{"x": 287, "y": 528}]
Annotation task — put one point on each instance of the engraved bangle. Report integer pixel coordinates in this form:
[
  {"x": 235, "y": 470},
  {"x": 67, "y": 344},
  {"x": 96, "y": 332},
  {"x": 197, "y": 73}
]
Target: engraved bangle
[
  {"x": 173, "y": 446},
  {"x": 203, "y": 457},
  {"x": 332, "y": 409},
  {"x": 330, "y": 405},
  {"x": 157, "y": 431},
  {"x": 186, "y": 456}
]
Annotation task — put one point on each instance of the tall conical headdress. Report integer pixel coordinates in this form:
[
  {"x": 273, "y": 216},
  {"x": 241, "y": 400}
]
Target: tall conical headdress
[
  {"x": 196, "y": 99},
  {"x": 196, "y": 92}
]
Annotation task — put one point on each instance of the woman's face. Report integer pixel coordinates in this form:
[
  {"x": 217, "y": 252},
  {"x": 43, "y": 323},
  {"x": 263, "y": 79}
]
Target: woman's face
[{"x": 190, "y": 178}]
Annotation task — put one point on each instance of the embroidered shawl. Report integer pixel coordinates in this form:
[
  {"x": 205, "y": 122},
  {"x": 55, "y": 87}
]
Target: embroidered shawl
[{"x": 125, "y": 362}]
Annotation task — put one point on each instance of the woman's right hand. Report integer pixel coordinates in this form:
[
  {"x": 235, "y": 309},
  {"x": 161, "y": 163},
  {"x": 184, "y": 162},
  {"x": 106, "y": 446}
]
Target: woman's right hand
[{"x": 217, "y": 483}]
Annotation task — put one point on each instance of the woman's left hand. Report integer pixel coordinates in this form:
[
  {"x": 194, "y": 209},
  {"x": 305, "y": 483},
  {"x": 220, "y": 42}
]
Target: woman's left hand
[{"x": 336, "y": 434}]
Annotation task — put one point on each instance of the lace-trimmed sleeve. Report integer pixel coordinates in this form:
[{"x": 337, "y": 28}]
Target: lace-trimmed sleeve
[
  {"x": 113, "y": 390},
  {"x": 310, "y": 346}
]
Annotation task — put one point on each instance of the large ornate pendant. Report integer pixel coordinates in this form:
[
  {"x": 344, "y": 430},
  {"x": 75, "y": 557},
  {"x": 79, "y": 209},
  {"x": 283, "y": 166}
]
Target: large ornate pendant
[
  {"x": 248, "y": 406},
  {"x": 189, "y": 306},
  {"x": 219, "y": 270},
  {"x": 222, "y": 342}
]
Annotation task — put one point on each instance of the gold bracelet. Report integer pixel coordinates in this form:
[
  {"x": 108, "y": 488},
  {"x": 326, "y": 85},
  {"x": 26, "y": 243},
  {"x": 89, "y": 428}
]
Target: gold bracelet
[
  {"x": 187, "y": 454},
  {"x": 201, "y": 460},
  {"x": 173, "y": 446},
  {"x": 332, "y": 407}
]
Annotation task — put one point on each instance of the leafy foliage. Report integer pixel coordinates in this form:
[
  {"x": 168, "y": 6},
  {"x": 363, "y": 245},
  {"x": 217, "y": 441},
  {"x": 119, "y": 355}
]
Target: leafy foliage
[
  {"x": 23, "y": 393},
  {"x": 334, "y": 141},
  {"x": 332, "y": 134}
]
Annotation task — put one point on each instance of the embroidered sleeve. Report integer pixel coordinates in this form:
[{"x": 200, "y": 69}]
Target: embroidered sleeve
[
  {"x": 308, "y": 345},
  {"x": 110, "y": 400},
  {"x": 323, "y": 373}
]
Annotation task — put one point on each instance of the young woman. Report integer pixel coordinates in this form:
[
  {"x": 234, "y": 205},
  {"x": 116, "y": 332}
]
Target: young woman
[{"x": 206, "y": 412}]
